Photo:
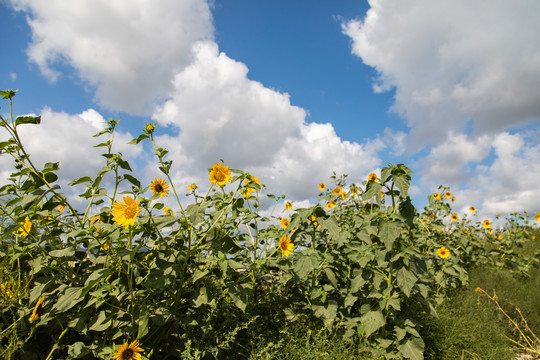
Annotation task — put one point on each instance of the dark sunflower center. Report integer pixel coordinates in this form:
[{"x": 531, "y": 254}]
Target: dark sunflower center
[
  {"x": 158, "y": 188},
  {"x": 127, "y": 354}
]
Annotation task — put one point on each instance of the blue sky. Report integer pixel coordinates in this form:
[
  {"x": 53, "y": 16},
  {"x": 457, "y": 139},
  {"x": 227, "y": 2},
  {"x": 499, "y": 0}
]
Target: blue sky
[{"x": 289, "y": 91}]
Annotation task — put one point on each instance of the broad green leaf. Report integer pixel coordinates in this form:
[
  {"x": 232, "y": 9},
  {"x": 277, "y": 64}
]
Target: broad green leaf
[
  {"x": 80, "y": 180},
  {"x": 388, "y": 232},
  {"x": 331, "y": 225},
  {"x": 406, "y": 280},
  {"x": 132, "y": 180},
  {"x": 28, "y": 120},
  {"x": 402, "y": 182},
  {"x": 327, "y": 313},
  {"x": 373, "y": 321},
  {"x": 138, "y": 139},
  {"x": 101, "y": 322},
  {"x": 66, "y": 252},
  {"x": 372, "y": 189},
  {"x": 240, "y": 294},
  {"x": 305, "y": 265},
  {"x": 143, "y": 321},
  {"x": 357, "y": 283},
  {"x": 413, "y": 349},
  {"x": 68, "y": 299}
]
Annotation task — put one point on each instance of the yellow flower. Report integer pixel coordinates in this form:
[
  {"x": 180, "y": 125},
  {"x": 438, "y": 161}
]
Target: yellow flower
[
  {"x": 159, "y": 186},
  {"x": 487, "y": 224},
  {"x": 253, "y": 178},
  {"x": 453, "y": 198},
  {"x": 220, "y": 174},
  {"x": 61, "y": 208},
  {"x": 443, "y": 252},
  {"x": 537, "y": 214},
  {"x": 37, "y": 309},
  {"x": 448, "y": 194},
  {"x": 478, "y": 290},
  {"x": 284, "y": 223},
  {"x": 533, "y": 237},
  {"x": 337, "y": 190},
  {"x": 192, "y": 187},
  {"x": 454, "y": 217},
  {"x": 490, "y": 231},
  {"x": 436, "y": 196},
  {"x": 24, "y": 230},
  {"x": 343, "y": 194},
  {"x": 313, "y": 218},
  {"x": 424, "y": 220},
  {"x": 285, "y": 245},
  {"x": 382, "y": 193},
  {"x": 500, "y": 237},
  {"x": 125, "y": 214},
  {"x": 247, "y": 192},
  {"x": 354, "y": 190},
  {"x": 330, "y": 204},
  {"x": 149, "y": 128},
  {"x": 472, "y": 209},
  {"x": 322, "y": 186},
  {"x": 95, "y": 220},
  {"x": 125, "y": 352},
  {"x": 372, "y": 177},
  {"x": 288, "y": 205},
  {"x": 168, "y": 211}
]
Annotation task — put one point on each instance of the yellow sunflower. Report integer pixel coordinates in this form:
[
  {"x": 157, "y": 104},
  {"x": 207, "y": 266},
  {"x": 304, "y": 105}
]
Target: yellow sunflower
[
  {"x": 337, "y": 190},
  {"x": 284, "y": 223},
  {"x": 95, "y": 220},
  {"x": 448, "y": 194},
  {"x": 37, "y": 309},
  {"x": 247, "y": 192},
  {"x": 443, "y": 252},
  {"x": 125, "y": 352},
  {"x": 372, "y": 177},
  {"x": 500, "y": 237},
  {"x": 125, "y": 214},
  {"x": 487, "y": 224},
  {"x": 354, "y": 190},
  {"x": 285, "y": 245},
  {"x": 253, "y": 178},
  {"x": 24, "y": 230},
  {"x": 288, "y": 205},
  {"x": 159, "y": 186},
  {"x": 537, "y": 214},
  {"x": 330, "y": 204},
  {"x": 192, "y": 187},
  {"x": 382, "y": 193},
  {"x": 437, "y": 196},
  {"x": 490, "y": 231},
  {"x": 220, "y": 174},
  {"x": 472, "y": 209},
  {"x": 322, "y": 186},
  {"x": 454, "y": 217},
  {"x": 61, "y": 208},
  {"x": 168, "y": 211}
]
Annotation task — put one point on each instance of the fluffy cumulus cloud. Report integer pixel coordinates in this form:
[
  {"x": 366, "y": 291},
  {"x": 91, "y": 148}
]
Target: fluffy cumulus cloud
[
  {"x": 67, "y": 139},
  {"x": 222, "y": 114},
  {"x": 127, "y": 50},
  {"x": 453, "y": 61}
]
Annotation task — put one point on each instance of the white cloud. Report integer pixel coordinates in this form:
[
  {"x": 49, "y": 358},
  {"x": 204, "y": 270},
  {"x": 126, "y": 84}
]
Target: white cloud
[
  {"x": 450, "y": 61},
  {"x": 222, "y": 114},
  {"x": 127, "y": 50}
]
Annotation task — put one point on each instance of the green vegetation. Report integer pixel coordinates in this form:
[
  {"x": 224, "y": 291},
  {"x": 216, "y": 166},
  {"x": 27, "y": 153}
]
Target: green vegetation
[{"x": 361, "y": 274}]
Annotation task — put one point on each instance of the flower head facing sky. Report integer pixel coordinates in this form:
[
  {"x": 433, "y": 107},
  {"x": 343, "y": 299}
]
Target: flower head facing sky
[
  {"x": 487, "y": 224},
  {"x": 125, "y": 213},
  {"x": 159, "y": 186},
  {"x": 128, "y": 352},
  {"x": 285, "y": 245},
  {"x": 220, "y": 174}
]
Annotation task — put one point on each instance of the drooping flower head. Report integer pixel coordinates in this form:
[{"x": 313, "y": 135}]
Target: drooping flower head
[
  {"x": 37, "y": 309},
  {"x": 288, "y": 205},
  {"x": 372, "y": 177},
  {"x": 487, "y": 224},
  {"x": 220, "y": 174},
  {"x": 285, "y": 245},
  {"x": 125, "y": 352},
  {"x": 454, "y": 217},
  {"x": 159, "y": 186},
  {"x": 24, "y": 230},
  {"x": 125, "y": 213},
  {"x": 443, "y": 252},
  {"x": 322, "y": 186}
]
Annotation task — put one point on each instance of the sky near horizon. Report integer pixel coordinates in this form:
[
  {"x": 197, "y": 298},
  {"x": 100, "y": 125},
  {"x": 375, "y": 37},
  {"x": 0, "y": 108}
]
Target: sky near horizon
[{"x": 290, "y": 91}]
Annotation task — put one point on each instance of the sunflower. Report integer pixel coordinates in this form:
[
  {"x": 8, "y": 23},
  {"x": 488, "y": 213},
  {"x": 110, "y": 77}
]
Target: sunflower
[
  {"x": 330, "y": 204},
  {"x": 424, "y": 220},
  {"x": 192, "y": 187},
  {"x": 125, "y": 214},
  {"x": 537, "y": 214},
  {"x": 288, "y": 205},
  {"x": 500, "y": 237},
  {"x": 454, "y": 217},
  {"x": 125, "y": 352},
  {"x": 220, "y": 174},
  {"x": 354, "y": 190},
  {"x": 285, "y": 245},
  {"x": 247, "y": 192},
  {"x": 443, "y": 252},
  {"x": 437, "y": 196},
  {"x": 24, "y": 230},
  {"x": 487, "y": 224},
  {"x": 337, "y": 190},
  {"x": 37, "y": 309},
  {"x": 168, "y": 211},
  {"x": 253, "y": 178},
  {"x": 472, "y": 209},
  {"x": 382, "y": 193},
  {"x": 322, "y": 186},
  {"x": 61, "y": 208},
  {"x": 284, "y": 223},
  {"x": 448, "y": 194},
  {"x": 490, "y": 231},
  {"x": 159, "y": 186},
  {"x": 372, "y": 177},
  {"x": 95, "y": 220}
]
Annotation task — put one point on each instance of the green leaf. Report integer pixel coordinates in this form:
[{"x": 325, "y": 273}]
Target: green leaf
[
  {"x": 143, "y": 321},
  {"x": 28, "y": 120},
  {"x": 357, "y": 283},
  {"x": 373, "y": 321},
  {"x": 67, "y": 252},
  {"x": 305, "y": 265},
  {"x": 327, "y": 313},
  {"x": 402, "y": 182},
  {"x": 372, "y": 189},
  {"x": 68, "y": 299},
  {"x": 80, "y": 180},
  {"x": 413, "y": 349},
  {"x": 8, "y": 94},
  {"x": 78, "y": 350},
  {"x": 138, "y": 140},
  {"x": 388, "y": 232},
  {"x": 406, "y": 281},
  {"x": 51, "y": 167},
  {"x": 331, "y": 225},
  {"x": 102, "y": 322},
  {"x": 240, "y": 294},
  {"x": 132, "y": 180}
]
